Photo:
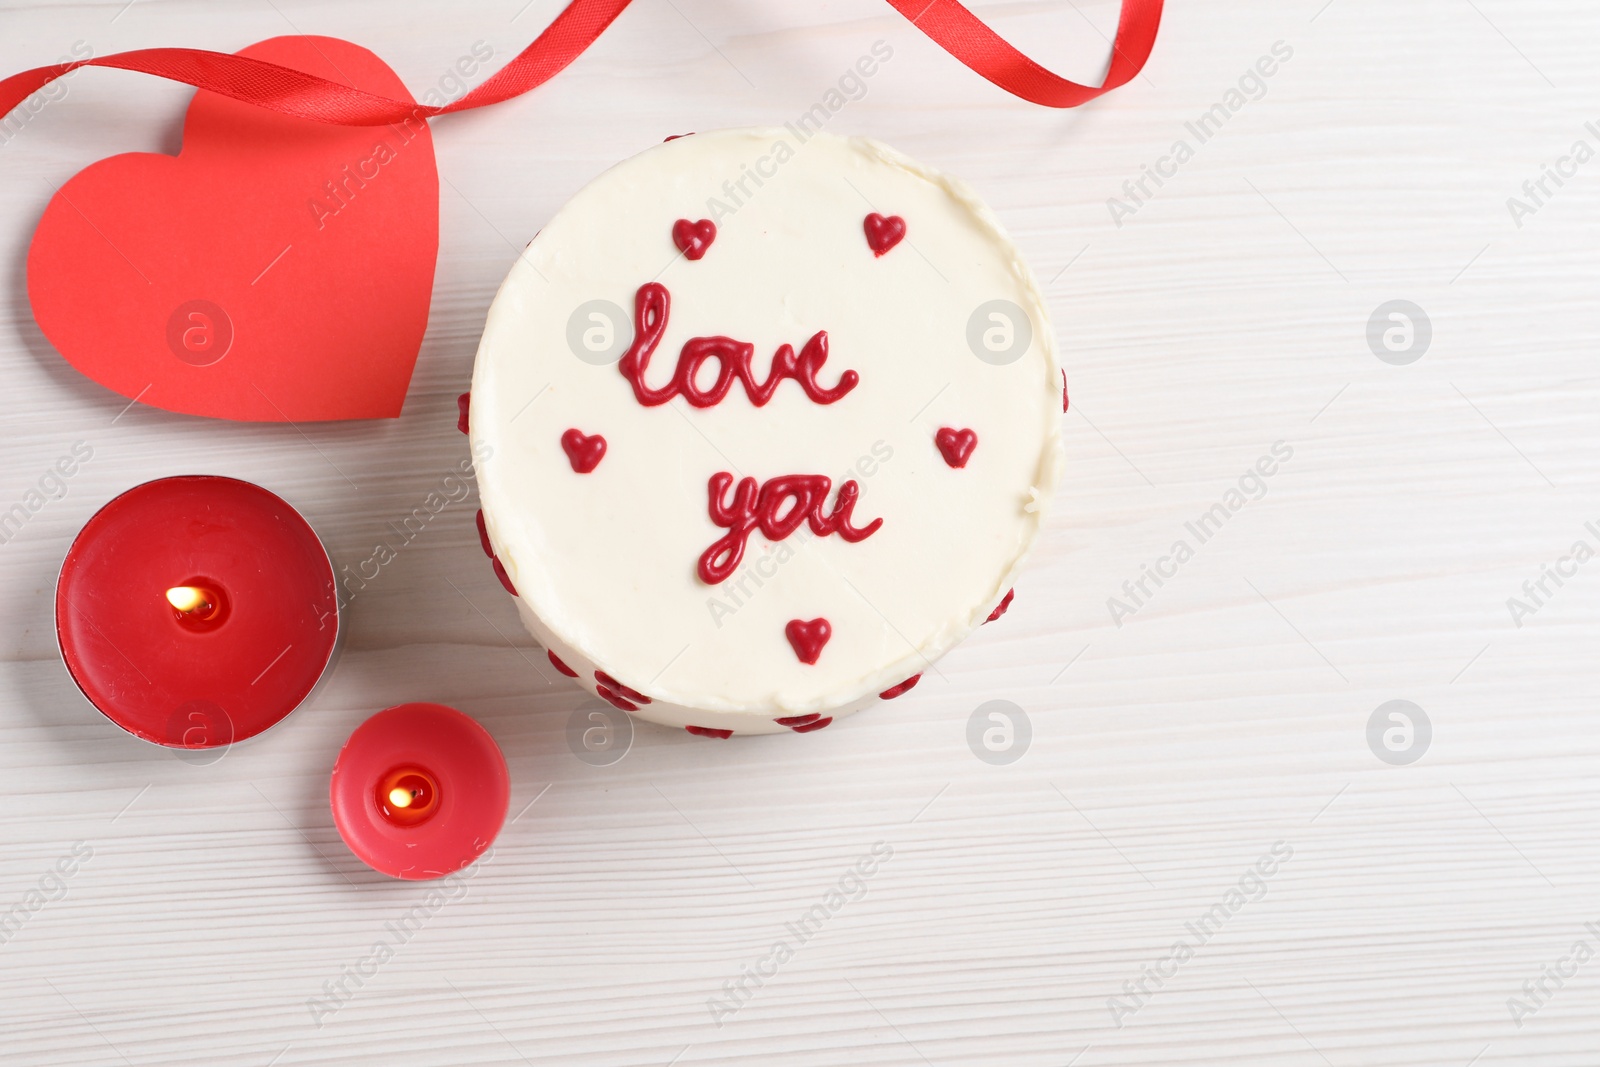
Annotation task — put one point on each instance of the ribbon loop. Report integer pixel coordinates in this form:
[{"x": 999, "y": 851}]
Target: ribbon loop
[{"x": 968, "y": 38}]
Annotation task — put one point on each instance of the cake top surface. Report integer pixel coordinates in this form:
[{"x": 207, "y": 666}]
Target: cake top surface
[{"x": 743, "y": 383}]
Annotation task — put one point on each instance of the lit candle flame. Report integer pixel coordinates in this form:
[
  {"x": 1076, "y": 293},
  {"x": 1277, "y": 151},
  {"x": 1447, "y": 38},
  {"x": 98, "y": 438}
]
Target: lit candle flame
[
  {"x": 187, "y": 598},
  {"x": 407, "y": 796}
]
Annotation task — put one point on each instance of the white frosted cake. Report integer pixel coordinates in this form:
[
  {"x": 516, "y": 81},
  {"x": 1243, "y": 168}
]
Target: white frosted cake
[{"x": 763, "y": 428}]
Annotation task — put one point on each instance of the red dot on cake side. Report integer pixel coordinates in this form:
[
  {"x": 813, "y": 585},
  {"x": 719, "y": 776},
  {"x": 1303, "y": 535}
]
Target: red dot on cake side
[
  {"x": 483, "y": 535},
  {"x": 604, "y": 679},
  {"x": 500, "y": 573},
  {"x": 616, "y": 700},
  {"x": 810, "y": 726},
  {"x": 556, "y": 662},
  {"x": 905, "y": 686},
  {"x": 488, "y": 550}
]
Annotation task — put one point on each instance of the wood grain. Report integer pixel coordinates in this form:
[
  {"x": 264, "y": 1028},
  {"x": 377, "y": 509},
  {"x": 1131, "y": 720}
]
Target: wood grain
[{"x": 1168, "y": 754}]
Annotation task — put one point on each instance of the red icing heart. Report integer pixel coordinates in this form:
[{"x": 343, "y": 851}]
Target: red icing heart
[
  {"x": 708, "y": 731},
  {"x": 555, "y": 661},
  {"x": 955, "y": 445},
  {"x": 883, "y": 233},
  {"x": 1001, "y": 608},
  {"x": 464, "y": 401},
  {"x": 583, "y": 452},
  {"x": 276, "y": 269},
  {"x": 808, "y": 637},
  {"x": 693, "y": 238}
]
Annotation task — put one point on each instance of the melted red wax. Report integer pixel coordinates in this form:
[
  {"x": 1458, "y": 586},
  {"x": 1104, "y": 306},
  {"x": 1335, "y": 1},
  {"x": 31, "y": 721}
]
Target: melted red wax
[
  {"x": 777, "y": 509},
  {"x": 653, "y": 304}
]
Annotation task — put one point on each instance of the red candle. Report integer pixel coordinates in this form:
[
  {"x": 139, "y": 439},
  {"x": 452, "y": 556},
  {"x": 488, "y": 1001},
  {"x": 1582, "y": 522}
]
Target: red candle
[
  {"x": 196, "y": 611},
  {"x": 419, "y": 791}
]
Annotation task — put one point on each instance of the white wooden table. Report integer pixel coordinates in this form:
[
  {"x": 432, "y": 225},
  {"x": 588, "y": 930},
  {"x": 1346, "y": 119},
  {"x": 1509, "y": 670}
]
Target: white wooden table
[{"x": 1029, "y": 910}]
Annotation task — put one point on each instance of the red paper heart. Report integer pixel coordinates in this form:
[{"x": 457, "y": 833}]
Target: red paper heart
[
  {"x": 583, "y": 451},
  {"x": 883, "y": 233},
  {"x": 955, "y": 445},
  {"x": 807, "y": 638},
  {"x": 275, "y": 270},
  {"x": 693, "y": 238}
]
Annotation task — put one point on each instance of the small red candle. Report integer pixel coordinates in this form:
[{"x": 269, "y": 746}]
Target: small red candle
[
  {"x": 196, "y": 611},
  {"x": 419, "y": 791}
]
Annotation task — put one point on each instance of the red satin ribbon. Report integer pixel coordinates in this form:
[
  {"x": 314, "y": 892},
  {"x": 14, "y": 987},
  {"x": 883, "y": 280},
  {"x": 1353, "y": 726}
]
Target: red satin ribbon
[
  {"x": 965, "y": 36},
  {"x": 292, "y": 92}
]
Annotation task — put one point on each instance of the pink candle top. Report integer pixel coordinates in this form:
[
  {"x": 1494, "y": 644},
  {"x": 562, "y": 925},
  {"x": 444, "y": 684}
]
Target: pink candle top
[{"x": 419, "y": 791}]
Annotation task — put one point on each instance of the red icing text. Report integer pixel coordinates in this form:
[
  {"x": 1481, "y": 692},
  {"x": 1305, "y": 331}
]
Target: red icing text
[
  {"x": 652, "y": 305},
  {"x": 777, "y": 509}
]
